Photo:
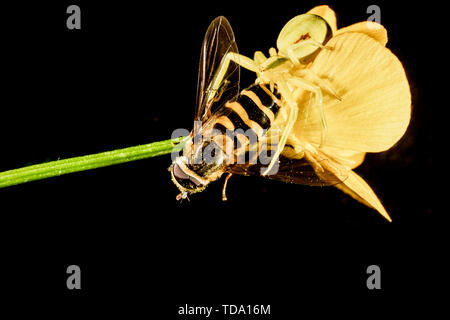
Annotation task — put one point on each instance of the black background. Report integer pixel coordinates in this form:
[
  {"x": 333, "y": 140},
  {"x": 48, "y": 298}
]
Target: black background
[{"x": 128, "y": 77}]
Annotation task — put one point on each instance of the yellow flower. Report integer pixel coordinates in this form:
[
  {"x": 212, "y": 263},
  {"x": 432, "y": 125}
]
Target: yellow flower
[{"x": 373, "y": 112}]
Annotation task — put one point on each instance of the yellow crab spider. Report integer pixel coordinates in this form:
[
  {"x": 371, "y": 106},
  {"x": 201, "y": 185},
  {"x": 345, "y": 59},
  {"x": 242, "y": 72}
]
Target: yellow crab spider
[
  {"x": 302, "y": 36},
  {"x": 289, "y": 87},
  {"x": 298, "y": 39}
]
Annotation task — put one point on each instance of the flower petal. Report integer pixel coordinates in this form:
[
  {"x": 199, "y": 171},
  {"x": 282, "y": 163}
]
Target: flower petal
[
  {"x": 348, "y": 158},
  {"x": 359, "y": 190},
  {"x": 376, "y": 102},
  {"x": 371, "y": 29},
  {"x": 327, "y": 13}
]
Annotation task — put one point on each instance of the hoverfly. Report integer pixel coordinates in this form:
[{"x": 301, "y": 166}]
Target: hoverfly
[
  {"x": 235, "y": 128},
  {"x": 221, "y": 107}
]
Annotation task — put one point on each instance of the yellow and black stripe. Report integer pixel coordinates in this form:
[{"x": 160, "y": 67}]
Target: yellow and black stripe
[{"x": 254, "y": 109}]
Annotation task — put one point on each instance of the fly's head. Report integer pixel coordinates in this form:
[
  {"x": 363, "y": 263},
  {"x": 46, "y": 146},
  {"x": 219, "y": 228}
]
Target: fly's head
[{"x": 201, "y": 163}]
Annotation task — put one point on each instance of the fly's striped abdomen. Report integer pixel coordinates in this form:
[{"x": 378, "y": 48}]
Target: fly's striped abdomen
[
  {"x": 249, "y": 115},
  {"x": 264, "y": 100}
]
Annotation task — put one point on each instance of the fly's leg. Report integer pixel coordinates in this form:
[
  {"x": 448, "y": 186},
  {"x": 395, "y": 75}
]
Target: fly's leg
[
  {"x": 224, "y": 190},
  {"x": 318, "y": 100},
  {"x": 292, "y": 117}
]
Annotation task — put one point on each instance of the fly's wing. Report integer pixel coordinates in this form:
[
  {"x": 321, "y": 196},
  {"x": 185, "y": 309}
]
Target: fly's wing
[
  {"x": 214, "y": 87},
  {"x": 314, "y": 169}
]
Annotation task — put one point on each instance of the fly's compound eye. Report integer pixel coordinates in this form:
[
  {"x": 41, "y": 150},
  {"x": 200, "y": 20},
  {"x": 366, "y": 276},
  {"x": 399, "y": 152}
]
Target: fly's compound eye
[{"x": 183, "y": 179}]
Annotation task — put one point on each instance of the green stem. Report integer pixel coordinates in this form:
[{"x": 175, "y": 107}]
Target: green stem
[{"x": 92, "y": 161}]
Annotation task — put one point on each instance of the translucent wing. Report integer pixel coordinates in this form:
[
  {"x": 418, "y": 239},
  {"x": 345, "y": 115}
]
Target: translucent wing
[
  {"x": 211, "y": 89},
  {"x": 313, "y": 170}
]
